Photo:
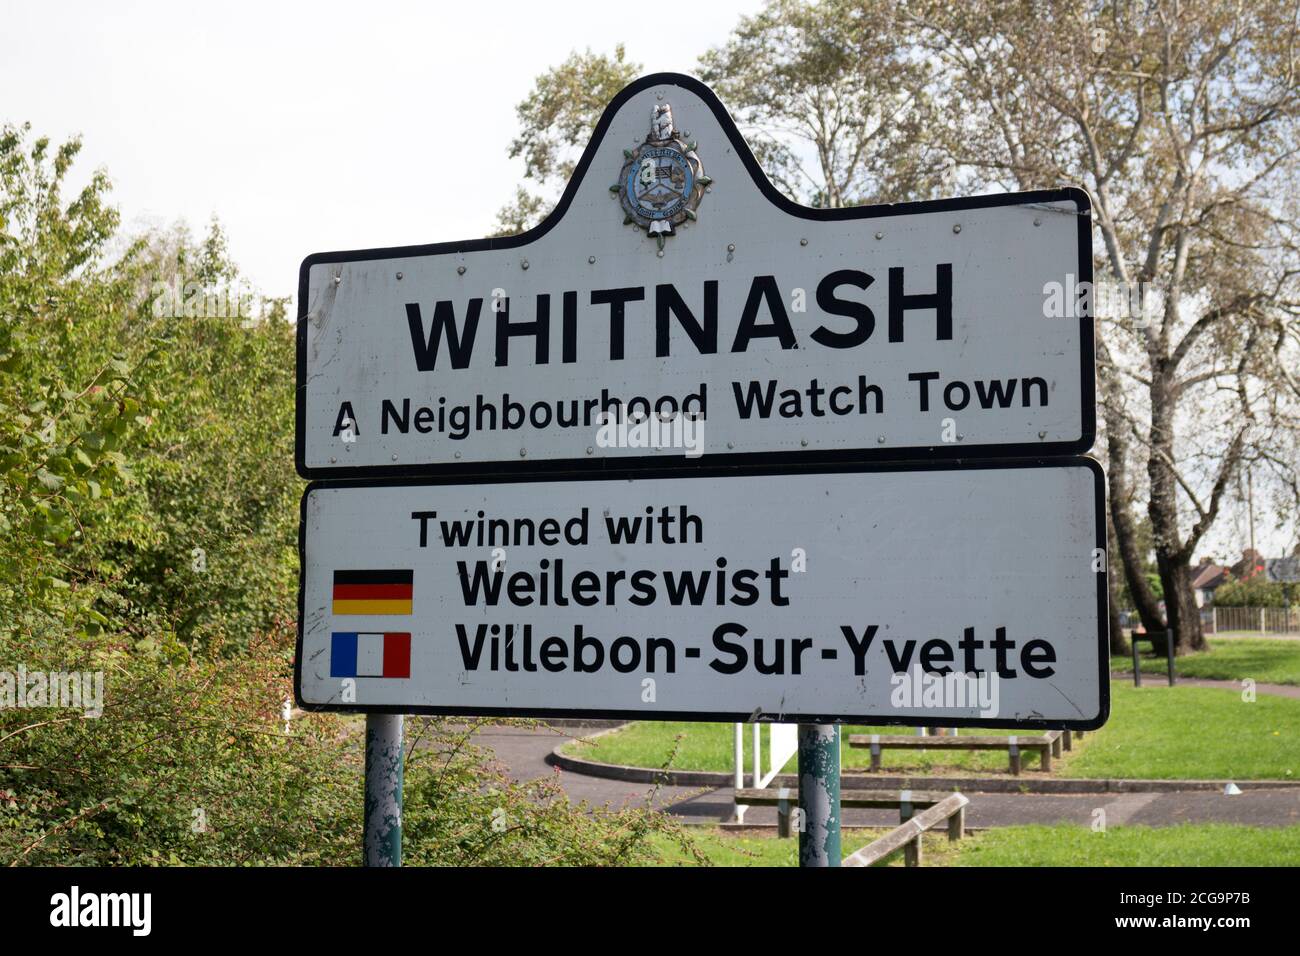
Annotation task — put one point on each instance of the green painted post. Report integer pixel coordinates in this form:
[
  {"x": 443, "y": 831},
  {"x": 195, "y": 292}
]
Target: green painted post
[
  {"x": 819, "y": 795},
  {"x": 382, "y": 841}
]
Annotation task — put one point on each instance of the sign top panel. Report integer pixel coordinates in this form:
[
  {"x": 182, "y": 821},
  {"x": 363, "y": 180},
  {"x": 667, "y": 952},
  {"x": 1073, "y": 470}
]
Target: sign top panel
[{"x": 673, "y": 279}]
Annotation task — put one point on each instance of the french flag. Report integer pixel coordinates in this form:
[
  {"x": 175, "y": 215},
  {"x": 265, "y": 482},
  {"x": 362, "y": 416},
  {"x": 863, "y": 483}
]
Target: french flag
[{"x": 359, "y": 654}]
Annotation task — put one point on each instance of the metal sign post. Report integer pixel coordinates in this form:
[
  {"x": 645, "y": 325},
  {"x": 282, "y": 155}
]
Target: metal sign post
[
  {"x": 383, "y": 824},
  {"x": 819, "y": 794}
]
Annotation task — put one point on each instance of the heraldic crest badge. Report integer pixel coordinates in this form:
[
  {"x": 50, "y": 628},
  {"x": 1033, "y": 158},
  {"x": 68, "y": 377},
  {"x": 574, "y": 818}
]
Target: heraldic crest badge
[{"x": 663, "y": 179}]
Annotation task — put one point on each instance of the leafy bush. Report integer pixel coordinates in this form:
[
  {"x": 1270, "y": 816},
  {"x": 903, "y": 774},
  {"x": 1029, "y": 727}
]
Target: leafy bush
[
  {"x": 148, "y": 531},
  {"x": 1255, "y": 591}
]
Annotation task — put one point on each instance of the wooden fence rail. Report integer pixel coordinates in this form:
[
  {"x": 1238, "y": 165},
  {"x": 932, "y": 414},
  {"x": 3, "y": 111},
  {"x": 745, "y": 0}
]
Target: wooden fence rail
[
  {"x": 907, "y": 835},
  {"x": 1259, "y": 620}
]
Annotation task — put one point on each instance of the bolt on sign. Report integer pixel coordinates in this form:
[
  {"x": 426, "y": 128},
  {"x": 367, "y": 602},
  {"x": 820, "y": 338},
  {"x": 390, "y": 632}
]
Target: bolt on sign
[
  {"x": 676, "y": 306},
  {"x": 959, "y": 594}
]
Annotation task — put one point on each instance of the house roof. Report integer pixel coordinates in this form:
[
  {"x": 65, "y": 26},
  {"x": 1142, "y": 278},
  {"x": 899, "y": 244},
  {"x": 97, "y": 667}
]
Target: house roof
[
  {"x": 1251, "y": 563},
  {"x": 1209, "y": 577}
]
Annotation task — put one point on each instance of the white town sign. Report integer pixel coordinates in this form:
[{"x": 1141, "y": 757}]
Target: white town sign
[
  {"x": 687, "y": 450},
  {"x": 661, "y": 312}
]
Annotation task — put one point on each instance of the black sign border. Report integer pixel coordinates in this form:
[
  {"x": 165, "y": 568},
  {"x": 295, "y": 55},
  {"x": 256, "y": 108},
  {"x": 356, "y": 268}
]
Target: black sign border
[
  {"x": 1087, "y": 397},
  {"x": 563, "y": 713}
]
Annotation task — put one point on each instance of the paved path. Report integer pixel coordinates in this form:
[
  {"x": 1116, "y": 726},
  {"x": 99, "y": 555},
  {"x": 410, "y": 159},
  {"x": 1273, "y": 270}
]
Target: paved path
[
  {"x": 1251, "y": 635},
  {"x": 524, "y": 752},
  {"x": 1160, "y": 680}
]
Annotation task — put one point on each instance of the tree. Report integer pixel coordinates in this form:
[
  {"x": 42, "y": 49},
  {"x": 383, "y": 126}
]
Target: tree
[
  {"x": 67, "y": 406},
  {"x": 555, "y": 121},
  {"x": 148, "y": 532},
  {"x": 1181, "y": 122},
  {"x": 835, "y": 109}
]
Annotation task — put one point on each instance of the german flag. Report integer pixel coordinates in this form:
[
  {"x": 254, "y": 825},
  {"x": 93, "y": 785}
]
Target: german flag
[{"x": 372, "y": 592}]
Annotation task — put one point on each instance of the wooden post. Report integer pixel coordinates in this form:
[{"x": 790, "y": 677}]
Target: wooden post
[
  {"x": 783, "y": 814},
  {"x": 957, "y": 825},
  {"x": 912, "y": 852}
]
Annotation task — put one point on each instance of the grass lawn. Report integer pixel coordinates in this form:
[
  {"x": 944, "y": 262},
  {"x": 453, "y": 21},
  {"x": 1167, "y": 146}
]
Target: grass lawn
[
  {"x": 1205, "y": 844},
  {"x": 1191, "y": 733},
  {"x": 710, "y": 747},
  {"x": 1064, "y": 844},
  {"x": 727, "y": 849},
  {"x": 1264, "y": 660},
  {"x": 1153, "y": 732}
]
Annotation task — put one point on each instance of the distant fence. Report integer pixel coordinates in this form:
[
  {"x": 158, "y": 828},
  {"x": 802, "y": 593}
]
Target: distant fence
[{"x": 1260, "y": 620}]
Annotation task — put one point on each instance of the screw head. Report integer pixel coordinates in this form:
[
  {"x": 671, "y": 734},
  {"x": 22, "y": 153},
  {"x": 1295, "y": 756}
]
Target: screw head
[
  {"x": 399, "y": 277},
  {"x": 956, "y": 227},
  {"x": 1037, "y": 221},
  {"x": 880, "y": 235},
  {"x": 460, "y": 270},
  {"x": 731, "y": 247},
  {"x": 803, "y": 242},
  {"x": 803, "y": 442},
  {"x": 591, "y": 260},
  {"x": 524, "y": 264},
  {"x": 880, "y": 440},
  {"x": 394, "y": 458},
  {"x": 523, "y": 452},
  {"x": 1042, "y": 434},
  {"x": 590, "y": 450}
]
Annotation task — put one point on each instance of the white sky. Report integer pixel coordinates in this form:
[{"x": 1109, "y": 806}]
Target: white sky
[{"x": 313, "y": 126}]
